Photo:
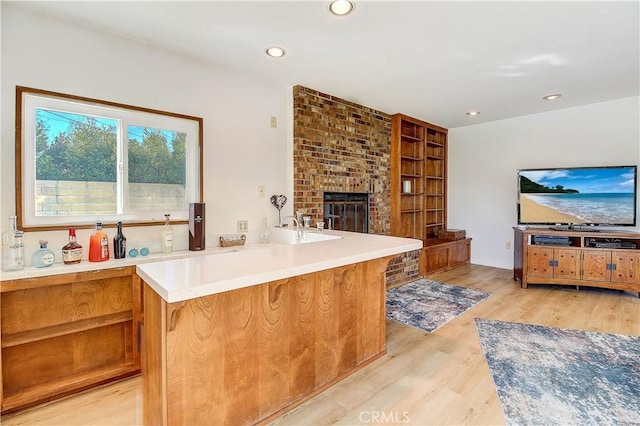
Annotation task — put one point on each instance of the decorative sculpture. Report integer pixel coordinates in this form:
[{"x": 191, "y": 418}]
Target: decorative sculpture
[{"x": 278, "y": 201}]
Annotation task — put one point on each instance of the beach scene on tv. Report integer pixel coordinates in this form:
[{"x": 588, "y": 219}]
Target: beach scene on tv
[{"x": 590, "y": 195}]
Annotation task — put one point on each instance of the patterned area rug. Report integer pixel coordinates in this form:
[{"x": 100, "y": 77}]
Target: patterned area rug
[
  {"x": 427, "y": 304},
  {"x": 546, "y": 375}
]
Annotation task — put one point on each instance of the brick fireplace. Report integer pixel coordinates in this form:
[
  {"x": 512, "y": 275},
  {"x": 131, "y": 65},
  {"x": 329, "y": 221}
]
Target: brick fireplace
[
  {"x": 342, "y": 147},
  {"x": 339, "y": 146}
]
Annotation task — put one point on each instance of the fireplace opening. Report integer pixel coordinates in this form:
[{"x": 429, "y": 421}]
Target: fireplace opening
[{"x": 346, "y": 211}]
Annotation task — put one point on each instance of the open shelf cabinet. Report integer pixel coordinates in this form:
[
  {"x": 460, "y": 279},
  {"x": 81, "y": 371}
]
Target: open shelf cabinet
[
  {"x": 419, "y": 193},
  {"x": 418, "y": 178},
  {"x": 65, "y": 333}
]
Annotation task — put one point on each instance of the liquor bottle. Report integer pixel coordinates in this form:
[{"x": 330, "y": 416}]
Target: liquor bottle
[
  {"x": 43, "y": 257},
  {"x": 72, "y": 251},
  {"x": 167, "y": 235},
  {"x": 12, "y": 247},
  {"x": 264, "y": 232},
  {"x": 119, "y": 244},
  {"x": 98, "y": 245}
]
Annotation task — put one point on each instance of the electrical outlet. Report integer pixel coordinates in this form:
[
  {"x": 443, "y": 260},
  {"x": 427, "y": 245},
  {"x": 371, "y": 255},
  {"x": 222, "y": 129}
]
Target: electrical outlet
[
  {"x": 274, "y": 121},
  {"x": 507, "y": 245},
  {"x": 261, "y": 190},
  {"x": 243, "y": 226}
]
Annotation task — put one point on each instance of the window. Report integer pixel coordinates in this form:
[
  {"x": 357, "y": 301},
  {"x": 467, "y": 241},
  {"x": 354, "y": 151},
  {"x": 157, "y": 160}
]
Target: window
[{"x": 83, "y": 160}]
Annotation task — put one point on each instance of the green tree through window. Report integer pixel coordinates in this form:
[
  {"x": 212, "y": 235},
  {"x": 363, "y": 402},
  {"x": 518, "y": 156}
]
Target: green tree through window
[
  {"x": 65, "y": 157},
  {"x": 85, "y": 160}
]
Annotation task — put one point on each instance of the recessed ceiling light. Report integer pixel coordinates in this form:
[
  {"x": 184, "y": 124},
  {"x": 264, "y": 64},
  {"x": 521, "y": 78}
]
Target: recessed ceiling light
[
  {"x": 551, "y": 97},
  {"x": 472, "y": 113},
  {"x": 341, "y": 7},
  {"x": 275, "y": 52}
]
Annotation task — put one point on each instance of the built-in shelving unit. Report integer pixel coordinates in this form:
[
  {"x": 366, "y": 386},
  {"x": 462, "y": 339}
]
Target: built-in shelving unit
[
  {"x": 436, "y": 183},
  {"x": 65, "y": 333},
  {"x": 419, "y": 192},
  {"x": 411, "y": 159},
  {"x": 418, "y": 179}
]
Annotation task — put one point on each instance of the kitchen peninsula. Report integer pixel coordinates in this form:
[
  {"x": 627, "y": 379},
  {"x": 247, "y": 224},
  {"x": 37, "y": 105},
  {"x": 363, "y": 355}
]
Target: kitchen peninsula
[{"x": 242, "y": 336}]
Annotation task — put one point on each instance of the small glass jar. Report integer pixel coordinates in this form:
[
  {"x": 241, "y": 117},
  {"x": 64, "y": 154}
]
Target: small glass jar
[{"x": 43, "y": 257}]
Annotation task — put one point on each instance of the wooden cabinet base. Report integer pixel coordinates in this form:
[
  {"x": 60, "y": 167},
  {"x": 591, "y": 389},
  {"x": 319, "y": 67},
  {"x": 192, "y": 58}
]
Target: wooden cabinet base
[
  {"x": 66, "y": 333},
  {"x": 443, "y": 255},
  {"x": 247, "y": 355}
]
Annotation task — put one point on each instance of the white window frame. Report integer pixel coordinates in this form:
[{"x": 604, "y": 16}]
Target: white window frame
[{"x": 28, "y": 100}]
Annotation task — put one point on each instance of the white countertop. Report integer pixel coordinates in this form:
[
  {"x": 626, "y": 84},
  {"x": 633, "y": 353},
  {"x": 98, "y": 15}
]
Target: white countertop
[
  {"x": 196, "y": 276},
  {"x": 85, "y": 266}
]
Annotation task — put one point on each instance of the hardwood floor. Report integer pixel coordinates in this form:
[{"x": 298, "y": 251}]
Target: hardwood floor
[{"x": 437, "y": 378}]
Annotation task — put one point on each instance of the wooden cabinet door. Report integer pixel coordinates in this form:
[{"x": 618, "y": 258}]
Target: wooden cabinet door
[
  {"x": 437, "y": 258},
  {"x": 567, "y": 263},
  {"x": 553, "y": 262},
  {"x": 595, "y": 265},
  {"x": 460, "y": 252},
  {"x": 539, "y": 261},
  {"x": 627, "y": 267}
]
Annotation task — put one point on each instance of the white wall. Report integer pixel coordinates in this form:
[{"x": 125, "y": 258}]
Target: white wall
[
  {"x": 483, "y": 160},
  {"x": 241, "y": 150}
]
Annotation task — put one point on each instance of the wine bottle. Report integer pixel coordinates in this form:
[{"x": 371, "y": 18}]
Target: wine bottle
[
  {"x": 72, "y": 251},
  {"x": 119, "y": 243},
  {"x": 167, "y": 235},
  {"x": 99, "y": 245},
  {"x": 43, "y": 257}
]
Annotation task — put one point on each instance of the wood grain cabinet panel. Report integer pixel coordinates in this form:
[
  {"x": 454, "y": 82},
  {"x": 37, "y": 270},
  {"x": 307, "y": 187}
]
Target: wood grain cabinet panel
[
  {"x": 606, "y": 259},
  {"x": 595, "y": 265},
  {"x": 247, "y": 355},
  {"x": 443, "y": 255},
  {"x": 62, "y": 334},
  {"x": 567, "y": 263},
  {"x": 616, "y": 266},
  {"x": 553, "y": 262},
  {"x": 627, "y": 267},
  {"x": 539, "y": 262}
]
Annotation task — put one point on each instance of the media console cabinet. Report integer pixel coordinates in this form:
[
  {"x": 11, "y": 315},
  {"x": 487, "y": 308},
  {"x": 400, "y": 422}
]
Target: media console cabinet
[{"x": 606, "y": 259}]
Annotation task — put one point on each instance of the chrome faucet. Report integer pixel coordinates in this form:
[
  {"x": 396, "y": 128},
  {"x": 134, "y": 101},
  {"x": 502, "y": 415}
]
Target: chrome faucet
[{"x": 295, "y": 222}]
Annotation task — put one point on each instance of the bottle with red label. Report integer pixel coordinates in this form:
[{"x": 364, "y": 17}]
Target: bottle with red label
[
  {"x": 99, "y": 245},
  {"x": 72, "y": 251}
]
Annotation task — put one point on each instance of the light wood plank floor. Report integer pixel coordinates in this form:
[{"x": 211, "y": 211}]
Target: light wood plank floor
[{"x": 438, "y": 378}]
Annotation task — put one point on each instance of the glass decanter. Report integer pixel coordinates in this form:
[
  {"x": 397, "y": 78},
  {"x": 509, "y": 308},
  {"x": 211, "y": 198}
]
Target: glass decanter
[{"x": 12, "y": 247}]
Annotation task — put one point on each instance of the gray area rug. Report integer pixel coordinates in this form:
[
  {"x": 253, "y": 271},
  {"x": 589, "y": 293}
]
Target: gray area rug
[
  {"x": 546, "y": 375},
  {"x": 427, "y": 304}
]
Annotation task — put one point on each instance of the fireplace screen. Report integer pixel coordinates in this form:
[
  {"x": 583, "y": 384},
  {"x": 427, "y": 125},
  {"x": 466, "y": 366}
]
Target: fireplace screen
[{"x": 346, "y": 211}]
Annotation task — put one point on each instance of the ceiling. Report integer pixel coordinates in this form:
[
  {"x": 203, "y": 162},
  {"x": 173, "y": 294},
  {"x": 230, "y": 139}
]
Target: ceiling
[{"x": 433, "y": 60}]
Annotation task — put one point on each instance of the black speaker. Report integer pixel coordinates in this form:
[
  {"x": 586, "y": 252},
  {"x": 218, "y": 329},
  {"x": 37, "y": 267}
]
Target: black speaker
[{"x": 196, "y": 226}]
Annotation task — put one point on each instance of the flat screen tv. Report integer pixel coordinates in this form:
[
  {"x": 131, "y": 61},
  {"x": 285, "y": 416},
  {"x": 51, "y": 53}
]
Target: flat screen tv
[{"x": 578, "y": 196}]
